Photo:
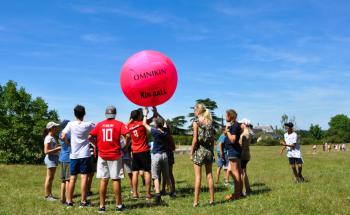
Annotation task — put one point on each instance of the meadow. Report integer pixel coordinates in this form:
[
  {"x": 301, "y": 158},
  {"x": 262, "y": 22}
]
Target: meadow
[{"x": 326, "y": 190}]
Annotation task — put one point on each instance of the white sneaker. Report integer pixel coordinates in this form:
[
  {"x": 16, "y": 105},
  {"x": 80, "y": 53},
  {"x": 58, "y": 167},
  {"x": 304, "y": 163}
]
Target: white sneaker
[{"x": 50, "y": 198}]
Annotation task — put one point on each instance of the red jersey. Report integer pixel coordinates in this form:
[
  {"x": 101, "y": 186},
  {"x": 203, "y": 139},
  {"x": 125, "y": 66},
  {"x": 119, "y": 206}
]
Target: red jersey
[
  {"x": 138, "y": 135},
  {"x": 108, "y": 134}
]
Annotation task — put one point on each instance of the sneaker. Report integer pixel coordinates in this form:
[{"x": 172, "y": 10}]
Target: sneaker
[
  {"x": 84, "y": 204},
  {"x": 302, "y": 179},
  {"x": 90, "y": 193},
  {"x": 101, "y": 210},
  {"x": 172, "y": 195},
  {"x": 158, "y": 199},
  {"x": 196, "y": 204},
  {"x": 120, "y": 208},
  {"x": 69, "y": 204},
  {"x": 50, "y": 198}
]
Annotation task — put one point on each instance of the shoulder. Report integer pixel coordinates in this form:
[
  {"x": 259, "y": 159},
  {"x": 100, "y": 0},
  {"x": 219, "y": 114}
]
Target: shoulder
[{"x": 48, "y": 139}]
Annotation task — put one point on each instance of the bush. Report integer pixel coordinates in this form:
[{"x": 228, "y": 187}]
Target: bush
[{"x": 267, "y": 141}]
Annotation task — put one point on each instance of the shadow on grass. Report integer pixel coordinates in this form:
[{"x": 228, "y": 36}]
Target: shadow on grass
[
  {"x": 189, "y": 190},
  {"x": 134, "y": 204}
]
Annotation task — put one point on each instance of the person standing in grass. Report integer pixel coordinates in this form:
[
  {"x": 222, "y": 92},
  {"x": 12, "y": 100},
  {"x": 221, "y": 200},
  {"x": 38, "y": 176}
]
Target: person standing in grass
[
  {"x": 245, "y": 140},
  {"x": 51, "y": 149},
  {"x": 202, "y": 150},
  {"x": 234, "y": 150},
  {"x": 109, "y": 164},
  {"x": 80, "y": 153},
  {"x": 141, "y": 156},
  {"x": 126, "y": 151},
  {"x": 171, "y": 161},
  {"x": 64, "y": 160},
  {"x": 159, "y": 155},
  {"x": 290, "y": 143},
  {"x": 222, "y": 161}
]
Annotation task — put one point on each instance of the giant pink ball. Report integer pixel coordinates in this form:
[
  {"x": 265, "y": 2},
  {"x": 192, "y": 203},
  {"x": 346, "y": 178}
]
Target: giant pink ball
[{"x": 148, "y": 78}]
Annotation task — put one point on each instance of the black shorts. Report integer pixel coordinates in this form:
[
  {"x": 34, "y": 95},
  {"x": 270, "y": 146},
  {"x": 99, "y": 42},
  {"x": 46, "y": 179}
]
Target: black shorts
[
  {"x": 244, "y": 164},
  {"x": 80, "y": 165},
  {"x": 171, "y": 159},
  {"x": 293, "y": 161},
  {"x": 141, "y": 161}
]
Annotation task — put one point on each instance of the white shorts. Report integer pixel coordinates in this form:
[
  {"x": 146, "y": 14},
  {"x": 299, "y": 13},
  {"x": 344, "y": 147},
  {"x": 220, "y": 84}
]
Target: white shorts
[{"x": 109, "y": 169}]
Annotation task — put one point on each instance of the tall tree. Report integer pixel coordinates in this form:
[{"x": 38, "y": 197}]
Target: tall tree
[
  {"x": 211, "y": 105},
  {"x": 176, "y": 125},
  {"x": 316, "y": 132},
  {"x": 339, "y": 128},
  {"x": 285, "y": 118},
  {"x": 22, "y": 122}
]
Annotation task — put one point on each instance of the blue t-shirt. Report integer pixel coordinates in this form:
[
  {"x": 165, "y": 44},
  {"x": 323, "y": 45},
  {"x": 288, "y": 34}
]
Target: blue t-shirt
[
  {"x": 65, "y": 150},
  {"x": 159, "y": 140},
  {"x": 234, "y": 129},
  {"x": 220, "y": 141}
]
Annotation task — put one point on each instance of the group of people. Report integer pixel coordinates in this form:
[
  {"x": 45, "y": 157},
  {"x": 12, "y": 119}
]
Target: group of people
[
  {"x": 123, "y": 148},
  {"x": 327, "y": 147}
]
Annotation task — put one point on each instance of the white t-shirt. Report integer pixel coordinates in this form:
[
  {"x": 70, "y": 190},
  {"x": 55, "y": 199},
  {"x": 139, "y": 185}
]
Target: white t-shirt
[
  {"x": 52, "y": 144},
  {"x": 292, "y": 139},
  {"x": 79, "y": 138}
]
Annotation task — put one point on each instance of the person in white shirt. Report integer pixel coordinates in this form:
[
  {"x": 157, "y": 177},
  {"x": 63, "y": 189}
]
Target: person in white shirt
[
  {"x": 290, "y": 143},
  {"x": 80, "y": 153}
]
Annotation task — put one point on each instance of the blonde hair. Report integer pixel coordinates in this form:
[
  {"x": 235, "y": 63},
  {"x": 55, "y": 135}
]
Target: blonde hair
[{"x": 204, "y": 113}]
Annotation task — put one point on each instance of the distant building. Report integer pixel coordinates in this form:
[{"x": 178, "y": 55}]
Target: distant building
[{"x": 268, "y": 130}]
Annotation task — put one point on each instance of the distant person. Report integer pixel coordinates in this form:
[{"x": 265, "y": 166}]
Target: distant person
[
  {"x": 159, "y": 155},
  {"x": 109, "y": 164},
  {"x": 329, "y": 147},
  {"x": 343, "y": 147},
  {"x": 202, "y": 150},
  {"x": 290, "y": 143},
  {"x": 234, "y": 151},
  {"x": 245, "y": 141},
  {"x": 141, "y": 156},
  {"x": 64, "y": 163},
  {"x": 80, "y": 153},
  {"x": 51, "y": 149},
  {"x": 314, "y": 149},
  {"x": 222, "y": 160}
]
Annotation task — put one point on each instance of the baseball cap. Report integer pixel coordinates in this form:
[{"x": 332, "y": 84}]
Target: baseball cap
[
  {"x": 289, "y": 124},
  {"x": 64, "y": 123},
  {"x": 49, "y": 125},
  {"x": 244, "y": 121},
  {"x": 111, "y": 112}
]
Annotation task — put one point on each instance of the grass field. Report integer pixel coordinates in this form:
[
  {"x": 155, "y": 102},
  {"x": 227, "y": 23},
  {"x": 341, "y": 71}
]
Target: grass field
[{"x": 327, "y": 190}]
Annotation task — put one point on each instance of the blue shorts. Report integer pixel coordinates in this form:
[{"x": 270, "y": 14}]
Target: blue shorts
[
  {"x": 80, "y": 166},
  {"x": 222, "y": 162},
  {"x": 232, "y": 154},
  {"x": 51, "y": 161}
]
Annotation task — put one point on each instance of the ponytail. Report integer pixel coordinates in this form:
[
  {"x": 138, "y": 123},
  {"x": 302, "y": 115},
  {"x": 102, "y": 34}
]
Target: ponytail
[{"x": 45, "y": 132}]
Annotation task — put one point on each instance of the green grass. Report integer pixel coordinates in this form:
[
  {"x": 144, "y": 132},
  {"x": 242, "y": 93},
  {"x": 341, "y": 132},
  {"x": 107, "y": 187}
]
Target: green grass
[{"x": 326, "y": 192}]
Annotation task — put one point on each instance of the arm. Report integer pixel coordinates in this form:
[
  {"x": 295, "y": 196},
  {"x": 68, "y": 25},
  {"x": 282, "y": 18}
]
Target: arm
[
  {"x": 64, "y": 138},
  {"x": 231, "y": 137},
  {"x": 144, "y": 122},
  {"x": 155, "y": 114},
  {"x": 283, "y": 148},
  {"x": 221, "y": 150},
  {"x": 49, "y": 151},
  {"x": 283, "y": 143},
  {"x": 194, "y": 139}
]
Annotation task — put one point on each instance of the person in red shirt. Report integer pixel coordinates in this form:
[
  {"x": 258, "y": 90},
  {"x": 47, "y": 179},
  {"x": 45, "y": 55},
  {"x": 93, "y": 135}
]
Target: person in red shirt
[
  {"x": 141, "y": 157},
  {"x": 109, "y": 164}
]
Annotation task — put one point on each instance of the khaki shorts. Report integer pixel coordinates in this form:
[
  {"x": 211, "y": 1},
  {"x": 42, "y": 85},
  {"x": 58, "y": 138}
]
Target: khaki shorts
[
  {"x": 109, "y": 169},
  {"x": 160, "y": 165},
  {"x": 65, "y": 171}
]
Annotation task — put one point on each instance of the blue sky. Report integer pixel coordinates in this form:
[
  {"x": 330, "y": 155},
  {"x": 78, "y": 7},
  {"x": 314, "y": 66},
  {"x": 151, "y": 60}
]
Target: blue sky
[{"x": 262, "y": 58}]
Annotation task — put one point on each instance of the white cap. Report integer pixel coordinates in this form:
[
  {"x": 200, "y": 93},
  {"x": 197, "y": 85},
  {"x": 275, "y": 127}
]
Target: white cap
[
  {"x": 244, "y": 121},
  {"x": 51, "y": 124}
]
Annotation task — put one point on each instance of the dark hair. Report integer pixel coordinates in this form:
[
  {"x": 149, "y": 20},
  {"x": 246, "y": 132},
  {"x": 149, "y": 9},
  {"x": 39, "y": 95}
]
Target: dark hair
[
  {"x": 45, "y": 132},
  {"x": 135, "y": 114},
  {"x": 159, "y": 122},
  {"x": 79, "y": 112}
]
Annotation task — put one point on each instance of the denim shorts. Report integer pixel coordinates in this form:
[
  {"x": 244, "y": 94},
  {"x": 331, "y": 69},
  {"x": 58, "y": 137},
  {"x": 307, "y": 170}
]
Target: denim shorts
[
  {"x": 222, "y": 162},
  {"x": 80, "y": 165},
  {"x": 51, "y": 161},
  {"x": 232, "y": 154}
]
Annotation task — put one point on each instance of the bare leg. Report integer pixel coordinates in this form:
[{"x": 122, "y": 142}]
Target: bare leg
[
  {"x": 83, "y": 187},
  {"x": 73, "y": 180},
  {"x": 135, "y": 179},
  {"x": 295, "y": 172},
  {"x": 218, "y": 174},
  {"x": 117, "y": 192},
  {"x": 148, "y": 183},
  {"x": 103, "y": 190},
  {"x": 63, "y": 191},
  {"x": 50, "y": 174},
  {"x": 197, "y": 182},
  {"x": 208, "y": 171},
  {"x": 235, "y": 169},
  {"x": 246, "y": 181}
]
